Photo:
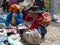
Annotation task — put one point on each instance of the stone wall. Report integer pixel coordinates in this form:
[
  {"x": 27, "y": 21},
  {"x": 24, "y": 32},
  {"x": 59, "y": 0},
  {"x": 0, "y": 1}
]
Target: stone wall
[
  {"x": 55, "y": 9},
  {"x": 56, "y": 6}
]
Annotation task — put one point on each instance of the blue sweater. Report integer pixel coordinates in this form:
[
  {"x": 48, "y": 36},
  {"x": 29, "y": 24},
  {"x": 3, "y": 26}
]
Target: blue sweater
[{"x": 19, "y": 18}]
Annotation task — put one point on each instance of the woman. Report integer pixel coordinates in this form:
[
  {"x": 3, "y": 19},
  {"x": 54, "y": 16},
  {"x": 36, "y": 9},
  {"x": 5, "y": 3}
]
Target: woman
[
  {"x": 14, "y": 17},
  {"x": 38, "y": 21}
]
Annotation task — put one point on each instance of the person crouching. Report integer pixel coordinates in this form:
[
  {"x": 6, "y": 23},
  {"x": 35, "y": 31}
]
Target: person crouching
[
  {"x": 35, "y": 16},
  {"x": 14, "y": 17}
]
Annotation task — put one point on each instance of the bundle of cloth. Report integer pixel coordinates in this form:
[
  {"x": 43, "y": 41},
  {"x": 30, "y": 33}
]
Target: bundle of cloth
[
  {"x": 32, "y": 37},
  {"x": 26, "y": 4},
  {"x": 15, "y": 37},
  {"x": 3, "y": 35},
  {"x": 10, "y": 42}
]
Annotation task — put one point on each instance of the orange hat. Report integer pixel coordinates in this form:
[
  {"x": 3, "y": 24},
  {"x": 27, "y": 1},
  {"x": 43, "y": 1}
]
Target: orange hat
[{"x": 15, "y": 6}]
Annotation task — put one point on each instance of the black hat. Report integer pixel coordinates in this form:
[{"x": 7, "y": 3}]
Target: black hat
[{"x": 35, "y": 9}]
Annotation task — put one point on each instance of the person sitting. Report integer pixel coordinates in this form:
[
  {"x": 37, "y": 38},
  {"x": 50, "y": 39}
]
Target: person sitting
[
  {"x": 14, "y": 17},
  {"x": 35, "y": 16}
]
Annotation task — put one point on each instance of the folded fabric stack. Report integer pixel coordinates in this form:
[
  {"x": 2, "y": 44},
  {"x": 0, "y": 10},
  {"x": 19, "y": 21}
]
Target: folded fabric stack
[{"x": 12, "y": 42}]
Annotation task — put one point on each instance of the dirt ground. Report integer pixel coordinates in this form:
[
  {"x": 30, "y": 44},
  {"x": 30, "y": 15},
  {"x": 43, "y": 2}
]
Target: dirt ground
[{"x": 53, "y": 35}]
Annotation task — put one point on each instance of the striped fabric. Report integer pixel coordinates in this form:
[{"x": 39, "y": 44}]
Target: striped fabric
[{"x": 11, "y": 30}]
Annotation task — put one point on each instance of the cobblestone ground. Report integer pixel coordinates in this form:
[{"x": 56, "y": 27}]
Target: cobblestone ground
[{"x": 53, "y": 35}]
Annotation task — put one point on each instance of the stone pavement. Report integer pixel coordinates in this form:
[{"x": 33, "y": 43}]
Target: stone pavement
[{"x": 53, "y": 35}]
